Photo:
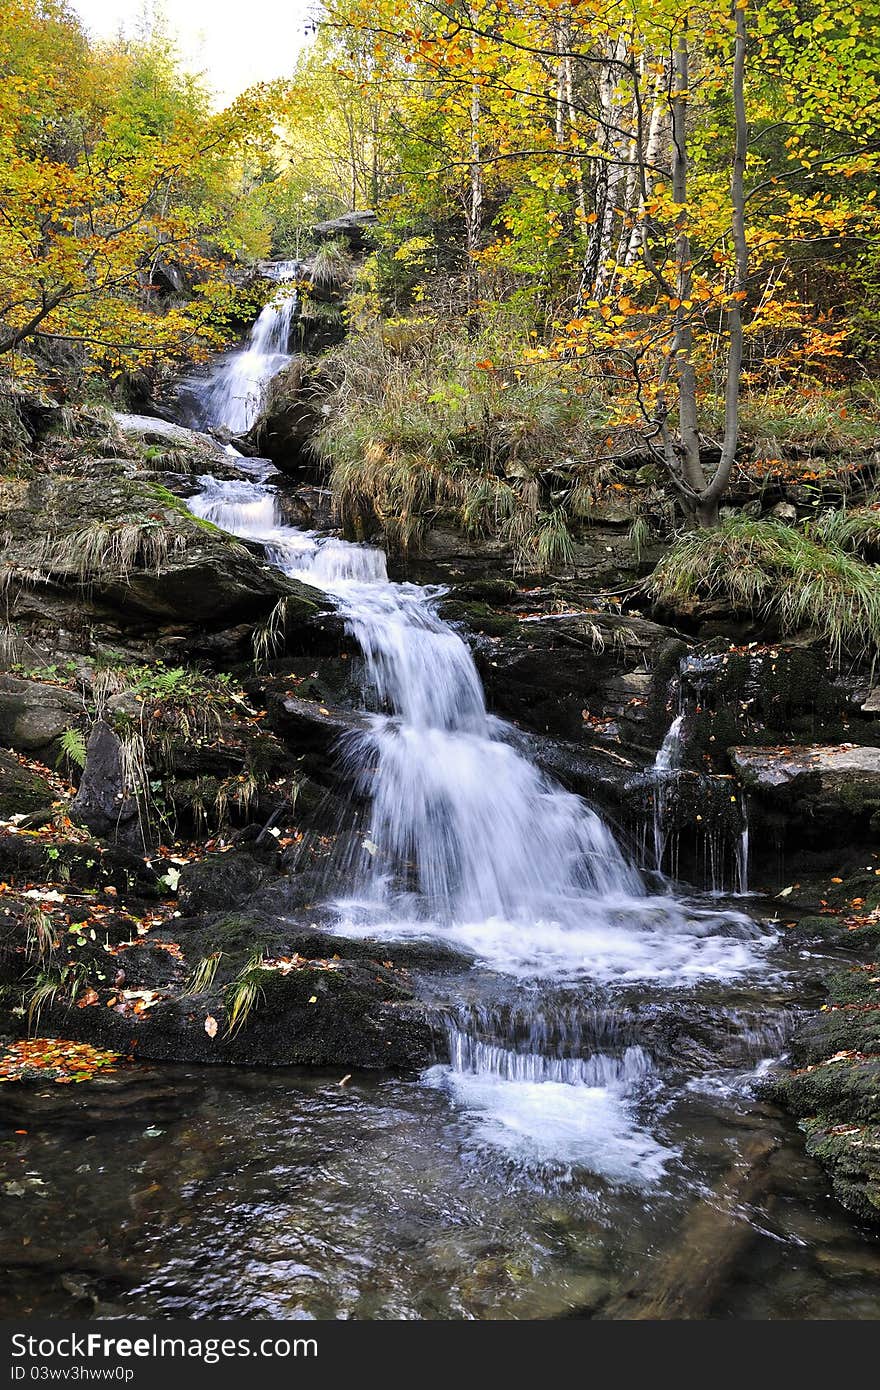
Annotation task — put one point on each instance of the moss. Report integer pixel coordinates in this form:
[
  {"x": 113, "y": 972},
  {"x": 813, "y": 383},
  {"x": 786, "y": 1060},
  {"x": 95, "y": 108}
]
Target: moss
[
  {"x": 846, "y": 1090},
  {"x": 178, "y": 506},
  {"x": 857, "y": 985},
  {"x": 494, "y": 591},
  {"x": 766, "y": 698},
  {"x": 479, "y": 617},
  {"x": 22, "y": 792}
]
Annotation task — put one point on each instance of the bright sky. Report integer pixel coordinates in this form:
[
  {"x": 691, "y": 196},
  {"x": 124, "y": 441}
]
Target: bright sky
[{"x": 233, "y": 42}]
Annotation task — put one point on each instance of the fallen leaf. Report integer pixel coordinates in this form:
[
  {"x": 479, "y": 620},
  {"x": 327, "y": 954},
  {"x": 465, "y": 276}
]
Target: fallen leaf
[{"x": 211, "y": 1026}]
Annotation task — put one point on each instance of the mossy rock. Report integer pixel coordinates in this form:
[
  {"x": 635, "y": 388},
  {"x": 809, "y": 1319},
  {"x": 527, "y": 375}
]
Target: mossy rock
[
  {"x": 478, "y": 617},
  {"x": 857, "y": 985},
  {"x": 22, "y": 791},
  {"x": 851, "y": 1155},
  {"x": 181, "y": 570},
  {"x": 847, "y": 1090},
  {"x": 497, "y": 592},
  {"x": 847, "y": 1029}
]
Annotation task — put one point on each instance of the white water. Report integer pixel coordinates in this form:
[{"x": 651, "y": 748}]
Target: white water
[
  {"x": 742, "y": 849},
  {"x": 666, "y": 764},
  {"x": 469, "y": 842},
  {"x": 556, "y": 1111},
  {"x": 233, "y": 395},
  {"x": 669, "y": 753}
]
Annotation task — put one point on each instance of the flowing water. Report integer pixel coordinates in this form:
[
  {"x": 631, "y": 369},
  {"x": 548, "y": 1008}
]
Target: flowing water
[
  {"x": 595, "y": 1090},
  {"x": 467, "y": 841},
  {"x": 232, "y": 395}
]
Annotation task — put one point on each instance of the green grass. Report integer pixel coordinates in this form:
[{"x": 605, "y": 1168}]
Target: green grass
[
  {"x": 801, "y": 578},
  {"x": 202, "y": 978},
  {"x": 244, "y": 993},
  {"x": 804, "y": 418}
]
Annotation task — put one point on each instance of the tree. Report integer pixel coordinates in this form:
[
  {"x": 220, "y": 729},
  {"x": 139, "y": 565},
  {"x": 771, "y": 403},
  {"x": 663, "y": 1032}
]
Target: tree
[{"x": 113, "y": 166}]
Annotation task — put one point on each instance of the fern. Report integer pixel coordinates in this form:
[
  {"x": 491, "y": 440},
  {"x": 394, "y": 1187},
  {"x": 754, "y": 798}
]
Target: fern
[{"x": 72, "y": 747}]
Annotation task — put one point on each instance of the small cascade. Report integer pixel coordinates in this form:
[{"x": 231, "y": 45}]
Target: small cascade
[
  {"x": 539, "y": 1108},
  {"x": 742, "y": 849},
  {"x": 666, "y": 764},
  {"x": 669, "y": 753},
  {"x": 232, "y": 396}
]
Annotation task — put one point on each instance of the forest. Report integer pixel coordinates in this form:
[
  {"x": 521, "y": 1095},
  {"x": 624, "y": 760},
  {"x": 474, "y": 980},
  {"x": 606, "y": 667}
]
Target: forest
[{"x": 439, "y": 755}]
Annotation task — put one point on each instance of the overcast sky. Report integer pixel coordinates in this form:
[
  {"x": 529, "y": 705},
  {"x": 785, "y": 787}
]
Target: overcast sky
[{"x": 233, "y": 42}]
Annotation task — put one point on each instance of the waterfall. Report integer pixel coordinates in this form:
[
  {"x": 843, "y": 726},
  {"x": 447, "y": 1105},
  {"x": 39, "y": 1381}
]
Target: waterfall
[
  {"x": 742, "y": 849},
  {"x": 233, "y": 395},
  {"x": 465, "y": 837}
]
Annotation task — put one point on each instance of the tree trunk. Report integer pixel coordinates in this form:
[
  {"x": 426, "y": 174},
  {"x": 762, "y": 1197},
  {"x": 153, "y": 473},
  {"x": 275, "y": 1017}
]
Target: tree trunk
[{"x": 718, "y": 486}]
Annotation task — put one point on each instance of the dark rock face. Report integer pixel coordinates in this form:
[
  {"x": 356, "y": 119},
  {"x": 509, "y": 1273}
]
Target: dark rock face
[
  {"x": 33, "y": 715},
  {"x": 818, "y": 788},
  {"x": 128, "y": 551},
  {"x": 290, "y": 418},
  {"x": 553, "y": 673},
  {"x": 102, "y": 801},
  {"x": 220, "y": 882}
]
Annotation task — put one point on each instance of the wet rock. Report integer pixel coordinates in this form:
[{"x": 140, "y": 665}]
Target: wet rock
[
  {"x": 850, "y": 1153},
  {"x": 845, "y": 1089},
  {"x": 338, "y": 1013},
  {"x": 34, "y": 714},
  {"x": 290, "y": 417},
  {"x": 313, "y": 730},
  {"x": 834, "y": 787},
  {"x": 553, "y": 674},
  {"x": 102, "y": 801}
]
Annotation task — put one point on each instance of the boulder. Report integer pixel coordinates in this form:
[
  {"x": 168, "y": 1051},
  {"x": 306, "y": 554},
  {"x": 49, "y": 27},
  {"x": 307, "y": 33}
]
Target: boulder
[
  {"x": 291, "y": 415},
  {"x": 102, "y": 802},
  {"x": 34, "y": 714},
  {"x": 552, "y": 673},
  {"x": 313, "y": 731},
  {"x": 353, "y": 227},
  {"x": 127, "y": 544},
  {"x": 150, "y": 430},
  {"x": 220, "y": 882}
]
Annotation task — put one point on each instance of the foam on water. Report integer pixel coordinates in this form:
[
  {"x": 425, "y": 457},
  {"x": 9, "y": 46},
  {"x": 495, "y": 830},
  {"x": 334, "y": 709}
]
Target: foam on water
[{"x": 543, "y": 1111}]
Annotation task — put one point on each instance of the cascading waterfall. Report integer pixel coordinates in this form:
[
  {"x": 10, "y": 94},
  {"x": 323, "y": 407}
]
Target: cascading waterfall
[
  {"x": 467, "y": 840},
  {"x": 232, "y": 396}
]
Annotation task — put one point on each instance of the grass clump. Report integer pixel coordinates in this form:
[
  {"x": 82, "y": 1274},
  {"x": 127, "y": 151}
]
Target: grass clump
[
  {"x": 799, "y": 577},
  {"x": 244, "y": 993},
  {"x": 436, "y": 425}
]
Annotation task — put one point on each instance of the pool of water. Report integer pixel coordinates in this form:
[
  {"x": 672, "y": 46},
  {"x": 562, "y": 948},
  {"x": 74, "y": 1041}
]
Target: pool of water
[{"x": 219, "y": 1193}]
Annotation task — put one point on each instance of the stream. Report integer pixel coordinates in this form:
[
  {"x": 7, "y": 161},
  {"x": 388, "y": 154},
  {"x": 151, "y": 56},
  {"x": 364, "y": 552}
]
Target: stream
[{"x": 595, "y": 1118}]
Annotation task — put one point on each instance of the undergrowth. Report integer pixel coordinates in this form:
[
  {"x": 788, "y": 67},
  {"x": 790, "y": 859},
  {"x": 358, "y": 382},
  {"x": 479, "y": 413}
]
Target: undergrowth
[{"x": 809, "y": 577}]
